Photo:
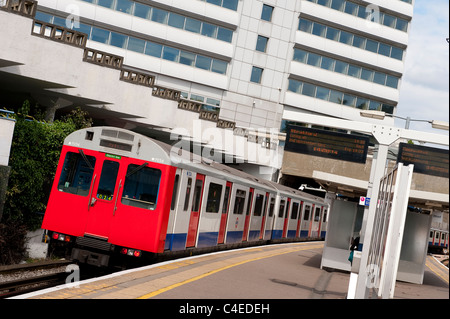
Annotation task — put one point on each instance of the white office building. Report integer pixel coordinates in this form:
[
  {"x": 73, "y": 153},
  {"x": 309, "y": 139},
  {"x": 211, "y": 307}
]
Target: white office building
[{"x": 233, "y": 65}]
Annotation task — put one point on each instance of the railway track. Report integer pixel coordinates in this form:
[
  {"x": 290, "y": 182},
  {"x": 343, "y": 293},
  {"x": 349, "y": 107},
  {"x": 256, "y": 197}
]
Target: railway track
[{"x": 20, "y": 279}]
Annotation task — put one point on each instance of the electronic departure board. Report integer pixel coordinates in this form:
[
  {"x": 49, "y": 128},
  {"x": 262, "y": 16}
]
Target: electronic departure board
[
  {"x": 426, "y": 160},
  {"x": 340, "y": 146}
]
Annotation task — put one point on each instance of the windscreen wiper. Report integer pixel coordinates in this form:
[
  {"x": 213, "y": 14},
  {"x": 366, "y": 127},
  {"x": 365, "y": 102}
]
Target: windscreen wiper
[
  {"x": 85, "y": 159},
  {"x": 137, "y": 169}
]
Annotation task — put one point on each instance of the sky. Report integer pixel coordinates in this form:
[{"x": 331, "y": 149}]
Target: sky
[{"x": 424, "y": 92}]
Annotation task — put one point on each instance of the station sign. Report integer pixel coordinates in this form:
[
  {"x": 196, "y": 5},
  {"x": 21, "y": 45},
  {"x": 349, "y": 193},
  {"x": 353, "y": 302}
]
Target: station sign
[
  {"x": 364, "y": 201},
  {"x": 426, "y": 160},
  {"x": 334, "y": 145}
]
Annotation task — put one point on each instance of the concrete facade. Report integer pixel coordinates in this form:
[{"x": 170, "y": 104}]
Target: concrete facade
[{"x": 175, "y": 91}]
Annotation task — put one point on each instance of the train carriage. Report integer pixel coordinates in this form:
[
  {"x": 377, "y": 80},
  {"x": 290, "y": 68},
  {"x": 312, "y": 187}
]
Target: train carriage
[
  {"x": 117, "y": 193},
  {"x": 438, "y": 241}
]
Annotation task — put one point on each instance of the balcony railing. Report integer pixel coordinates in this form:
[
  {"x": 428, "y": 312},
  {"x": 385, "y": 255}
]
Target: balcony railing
[
  {"x": 60, "y": 34},
  {"x": 23, "y": 7}
]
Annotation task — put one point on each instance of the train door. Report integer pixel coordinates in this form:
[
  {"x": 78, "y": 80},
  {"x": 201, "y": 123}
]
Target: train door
[
  {"x": 304, "y": 229},
  {"x": 323, "y": 227},
  {"x": 278, "y": 223},
  {"x": 430, "y": 238},
  {"x": 286, "y": 218},
  {"x": 248, "y": 215},
  {"x": 173, "y": 211},
  {"x": 211, "y": 212},
  {"x": 315, "y": 222},
  {"x": 264, "y": 214},
  {"x": 183, "y": 210},
  {"x": 319, "y": 227},
  {"x": 270, "y": 217},
  {"x": 236, "y": 221},
  {"x": 256, "y": 215},
  {"x": 102, "y": 196},
  {"x": 224, "y": 217},
  {"x": 299, "y": 220},
  {"x": 292, "y": 225},
  {"x": 195, "y": 211}
]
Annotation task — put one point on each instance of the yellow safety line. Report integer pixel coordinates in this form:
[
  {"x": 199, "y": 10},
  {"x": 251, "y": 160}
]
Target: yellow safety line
[
  {"x": 430, "y": 266},
  {"x": 160, "y": 291}
]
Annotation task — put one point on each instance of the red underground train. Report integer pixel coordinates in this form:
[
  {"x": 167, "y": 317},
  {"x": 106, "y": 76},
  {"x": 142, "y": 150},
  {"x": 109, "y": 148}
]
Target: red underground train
[{"x": 118, "y": 195}]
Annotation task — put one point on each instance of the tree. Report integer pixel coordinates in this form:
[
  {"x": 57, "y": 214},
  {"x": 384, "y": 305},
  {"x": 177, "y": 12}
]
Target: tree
[{"x": 35, "y": 152}]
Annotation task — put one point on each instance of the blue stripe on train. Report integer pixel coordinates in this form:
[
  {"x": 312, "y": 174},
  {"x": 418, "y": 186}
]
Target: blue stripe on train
[
  {"x": 207, "y": 239},
  {"x": 277, "y": 233},
  {"x": 175, "y": 242},
  {"x": 253, "y": 235},
  {"x": 234, "y": 237},
  {"x": 291, "y": 233}
]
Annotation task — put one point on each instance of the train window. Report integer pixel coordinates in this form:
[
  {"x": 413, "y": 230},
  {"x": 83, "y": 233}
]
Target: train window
[
  {"x": 107, "y": 182},
  {"x": 287, "y": 209},
  {"x": 76, "y": 174},
  {"x": 188, "y": 193},
  {"x": 258, "y": 205},
  {"x": 226, "y": 200},
  {"x": 266, "y": 199},
  {"x": 282, "y": 206},
  {"x": 141, "y": 187},
  {"x": 271, "y": 206},
  {"x": 214, "y": 195},
  {"x": 175, "y": 192},
  {"x": 197, "y": 194},
  {"x": 295, "y": 207},
  {"x": 431, "y": 234},
  {"x": 239, "y": 202},
  {"x": 307, "y": 211},
  {"x": 443, "y": 236},
  {"x": 317, "y": 214},
  {"x": 249, "y": 203},
  {"x": 324, "y": 219},
  {"x": 437, "y": 235}
]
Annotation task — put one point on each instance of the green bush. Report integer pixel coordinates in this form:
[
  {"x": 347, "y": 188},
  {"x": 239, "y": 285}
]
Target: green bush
[
  {"x": 12, "y": 243},
  {"x": 34, "y": 156}
]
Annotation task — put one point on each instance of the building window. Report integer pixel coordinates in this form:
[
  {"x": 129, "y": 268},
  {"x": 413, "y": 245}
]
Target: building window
[
  {"x": 136, "y": 45},
  {"x": 106, "y": 3},
  {"x": 261, "y": 43},
  {"x": 267, "y": 12},
  {"x": 347, "y": 38},
  {"x": 256, "y": 75},
  {"x": 146, "y": 47},
  {"x": 124, "y": 6},
  {"x": 360, "y": 11},
  {"x": 169, "y": 18},
  {"x": 337, "y": 97}
]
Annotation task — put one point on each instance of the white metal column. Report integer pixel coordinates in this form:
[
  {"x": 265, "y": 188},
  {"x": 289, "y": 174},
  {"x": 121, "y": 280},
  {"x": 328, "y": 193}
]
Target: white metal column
[{"x": 397, "y": 211}]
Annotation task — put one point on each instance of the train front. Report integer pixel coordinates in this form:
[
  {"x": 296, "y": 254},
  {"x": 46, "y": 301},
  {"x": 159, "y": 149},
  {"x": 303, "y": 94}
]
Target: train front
[{"x": 110, "y": 198}]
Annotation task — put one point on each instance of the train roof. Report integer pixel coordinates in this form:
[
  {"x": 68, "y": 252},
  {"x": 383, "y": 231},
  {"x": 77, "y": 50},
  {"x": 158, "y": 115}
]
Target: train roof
[{"x": 126, "y": 143}]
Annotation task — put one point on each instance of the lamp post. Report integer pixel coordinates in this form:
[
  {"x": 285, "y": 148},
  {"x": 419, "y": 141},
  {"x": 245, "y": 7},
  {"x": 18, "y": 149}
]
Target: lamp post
[{"x": 379, "y": 115}]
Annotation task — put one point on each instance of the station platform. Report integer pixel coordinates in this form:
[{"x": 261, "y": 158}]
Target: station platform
[{"x": 282, "y": 271}]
